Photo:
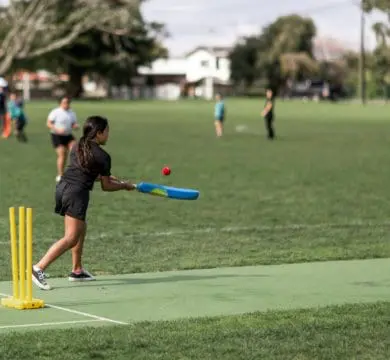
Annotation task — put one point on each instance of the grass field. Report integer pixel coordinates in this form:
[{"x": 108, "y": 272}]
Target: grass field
[{"x": 319, "y": 192}]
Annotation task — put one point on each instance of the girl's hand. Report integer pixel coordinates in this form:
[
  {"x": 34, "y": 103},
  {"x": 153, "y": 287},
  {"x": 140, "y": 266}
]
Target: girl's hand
[{"x": 129, "y": 186}]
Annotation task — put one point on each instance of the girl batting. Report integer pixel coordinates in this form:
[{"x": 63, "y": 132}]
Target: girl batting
[{"x": 88, "y": 163}]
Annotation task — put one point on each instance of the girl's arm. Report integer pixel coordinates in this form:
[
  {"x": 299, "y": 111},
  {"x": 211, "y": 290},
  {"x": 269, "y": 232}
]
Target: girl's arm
[
  {"x": 109, "y": 183},
  {"x": 50, "y": 124},
  {"x": 99, "y": 178},
  {"x": 267, "y": 108}
]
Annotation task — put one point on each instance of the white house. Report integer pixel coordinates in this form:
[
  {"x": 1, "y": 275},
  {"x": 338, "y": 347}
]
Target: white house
[{"x": 200, "y": 73}]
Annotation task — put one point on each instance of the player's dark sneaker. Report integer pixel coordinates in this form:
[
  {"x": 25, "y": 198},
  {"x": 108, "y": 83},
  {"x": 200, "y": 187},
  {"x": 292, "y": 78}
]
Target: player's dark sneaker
[
  {"x": 39, "y": 279},
  {"x": 84, "y": 275}
]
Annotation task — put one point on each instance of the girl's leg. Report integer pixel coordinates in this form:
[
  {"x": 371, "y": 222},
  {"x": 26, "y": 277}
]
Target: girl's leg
[
  {"x": 218, "y": 128},
  {"x": 73, "y": 229},
  {"x": 78, "y": 272},
  {"x": 14, "y": 127},
  {"x": 2, "y": 125},
  {"x": 62, "y": 153},
  {"x": 20, "y": 131},
  {"x": 71, "y": 144},
  {"x": 17, "y": 129},
  {"x": 77, "y": 252},
  {"x": 23, "y": 136}
]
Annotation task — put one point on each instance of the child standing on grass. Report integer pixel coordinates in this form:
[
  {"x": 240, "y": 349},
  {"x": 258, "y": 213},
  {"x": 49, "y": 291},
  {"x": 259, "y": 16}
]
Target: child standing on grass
[
  {"x": 88, "y": 163},
  {"x": 219, "y": 115},
  {"x": 18, "y": 117},
  {"x": 269, "y": 114}
]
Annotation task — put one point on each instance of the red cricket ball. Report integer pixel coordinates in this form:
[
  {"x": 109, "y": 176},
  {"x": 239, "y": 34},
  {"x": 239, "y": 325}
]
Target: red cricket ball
[{"x": 166, "y": 170}]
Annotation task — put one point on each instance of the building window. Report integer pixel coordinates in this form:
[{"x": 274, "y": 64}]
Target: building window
[
  {"x": 217, "y": 62},
  {"x": 204, "y": 63}
]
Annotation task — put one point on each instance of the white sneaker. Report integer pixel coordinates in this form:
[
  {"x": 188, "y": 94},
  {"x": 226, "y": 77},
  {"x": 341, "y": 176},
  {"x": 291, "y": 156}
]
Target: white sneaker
[{"x": 39, "y": 279}]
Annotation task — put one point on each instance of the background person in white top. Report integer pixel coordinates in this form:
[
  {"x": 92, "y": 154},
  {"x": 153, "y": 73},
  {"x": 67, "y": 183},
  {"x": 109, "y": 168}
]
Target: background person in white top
[{"x": 61, "y": 122}]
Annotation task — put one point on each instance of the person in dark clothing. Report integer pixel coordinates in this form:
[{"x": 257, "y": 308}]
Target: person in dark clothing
[
  {"x": 3, "y": 108},
  {"x": 16, "y": 112},
  {"x": 269, "y": 114},
  {"x": 88, "y": 163}
]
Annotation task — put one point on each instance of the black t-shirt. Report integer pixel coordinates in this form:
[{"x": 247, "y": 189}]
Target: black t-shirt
[
  {"x": 84, "y": 178},
  {"x": 2, "y": 101},
  {"x": 270, "y": 113}
]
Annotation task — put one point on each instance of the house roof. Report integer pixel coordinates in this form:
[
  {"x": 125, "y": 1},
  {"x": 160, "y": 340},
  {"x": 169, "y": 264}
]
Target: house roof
[{"x": 221, "y": 51}]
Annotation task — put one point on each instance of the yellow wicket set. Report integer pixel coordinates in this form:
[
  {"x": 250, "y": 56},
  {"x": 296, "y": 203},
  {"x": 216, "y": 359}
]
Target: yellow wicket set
[{"x": 22, "y": 297}]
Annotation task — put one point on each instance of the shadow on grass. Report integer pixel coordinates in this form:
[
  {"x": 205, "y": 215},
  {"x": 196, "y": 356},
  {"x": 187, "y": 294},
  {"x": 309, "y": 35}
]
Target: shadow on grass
[{"x": 119, "y": 281}]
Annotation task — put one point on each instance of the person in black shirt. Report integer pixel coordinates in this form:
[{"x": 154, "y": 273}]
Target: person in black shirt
[
  {"x": 268, "y": 114},
  {"x": 88, "y": 163},
  {"x": 3, "y": 108}
]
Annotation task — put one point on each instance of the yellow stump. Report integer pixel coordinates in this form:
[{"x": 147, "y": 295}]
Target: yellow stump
[
  {"x": 29, "y": 255},
  {"x": 22, "y": 265},
  {"x": 22, "y": 252},
  {"x": 14, "y": 253}
]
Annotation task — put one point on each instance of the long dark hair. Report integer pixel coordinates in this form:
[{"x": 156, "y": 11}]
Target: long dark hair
[{"x": 92, "y": 126}]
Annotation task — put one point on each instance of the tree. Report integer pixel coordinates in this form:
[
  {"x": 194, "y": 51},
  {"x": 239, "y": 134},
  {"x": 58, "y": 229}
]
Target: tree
[
  {"x": 347, "y": 71},
  {"x": 298, "y": 65},
  {"x": 288, "y": 34},
  {"x": 283, "y": 50},
  {"x": 31, "y": 28},
  {"x": 381, "y": 63},
  {"x": 116, "y": 57},
  {"x": 382, "y": 68},
  {"x": 243, "y": 61},
  {"x": 382, "y": 5}
]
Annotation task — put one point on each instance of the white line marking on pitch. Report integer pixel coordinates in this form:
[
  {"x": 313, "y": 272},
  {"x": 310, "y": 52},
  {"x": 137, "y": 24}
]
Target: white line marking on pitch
[
  {"x": 100, "y": 318},
  {"x": 49, "y": 324}
]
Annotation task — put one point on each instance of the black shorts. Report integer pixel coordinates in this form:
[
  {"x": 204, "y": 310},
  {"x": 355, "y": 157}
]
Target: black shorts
[
  {"x": 19, "y": 124},
  {"x": 61, "y": 140},
  {"x": 71, "y": 201},
  {"x": 220, "y": 119}
]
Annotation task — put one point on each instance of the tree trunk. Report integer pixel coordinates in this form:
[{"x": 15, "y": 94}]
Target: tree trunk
[{"x": 75, "y": 84}]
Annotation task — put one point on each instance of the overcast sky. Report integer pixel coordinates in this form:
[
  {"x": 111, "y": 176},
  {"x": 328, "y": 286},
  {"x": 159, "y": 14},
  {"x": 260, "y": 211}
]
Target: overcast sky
[{"x": 219, "y": 22}]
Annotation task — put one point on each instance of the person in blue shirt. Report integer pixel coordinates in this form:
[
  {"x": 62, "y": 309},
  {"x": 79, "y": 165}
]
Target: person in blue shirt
[
  {"x": 18, "y": 117},
  {"x": 219, "y": 114}
]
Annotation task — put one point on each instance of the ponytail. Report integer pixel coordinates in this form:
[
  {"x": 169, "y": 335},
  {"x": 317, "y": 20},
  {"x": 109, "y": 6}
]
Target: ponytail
[
  {"x": 92, "y": 126},
  {"x": 84, "y": 152}
]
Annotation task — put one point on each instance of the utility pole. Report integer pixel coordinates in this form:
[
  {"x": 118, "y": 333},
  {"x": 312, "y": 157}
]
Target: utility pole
[{"x": 362, "y": 55}]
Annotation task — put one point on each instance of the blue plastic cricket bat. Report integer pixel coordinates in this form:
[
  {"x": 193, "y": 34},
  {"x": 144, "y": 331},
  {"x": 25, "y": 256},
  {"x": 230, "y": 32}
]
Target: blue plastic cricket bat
[{"x": 167, "y": 191}]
